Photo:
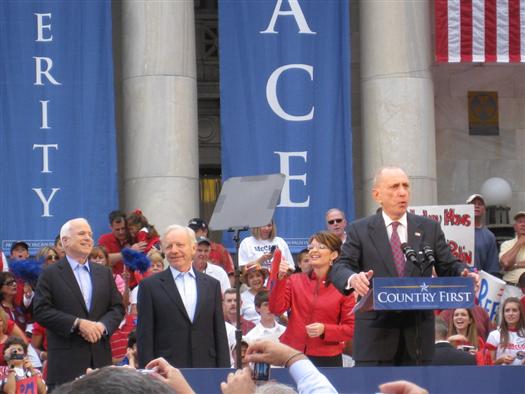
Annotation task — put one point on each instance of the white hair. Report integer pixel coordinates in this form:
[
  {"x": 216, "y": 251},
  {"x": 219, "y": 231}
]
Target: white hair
[
  {"x": 65, "y": 230},
  {"x": 174, "y": 227}
]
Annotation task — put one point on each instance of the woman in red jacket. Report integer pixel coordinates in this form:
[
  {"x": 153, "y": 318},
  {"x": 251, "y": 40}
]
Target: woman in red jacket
[{"x": 320, "y": 318}]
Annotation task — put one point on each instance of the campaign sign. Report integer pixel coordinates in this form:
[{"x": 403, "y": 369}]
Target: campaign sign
[
  {"x": 490, "y": 293},
  {"x": 423, "y": 293},
  {"x": 27, "y": 386},
  {"x": 457, "y": 223}
]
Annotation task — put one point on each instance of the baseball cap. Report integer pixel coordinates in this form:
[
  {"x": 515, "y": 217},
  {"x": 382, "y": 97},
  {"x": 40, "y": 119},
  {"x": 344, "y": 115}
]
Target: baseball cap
[
  {"x": 520, "y": 213},
  {"x": 473, "y": 197},
  {"x": 19, "y": 243},
  {"x": 197, "y": 224},
  {"x": 203, "y": 240}
]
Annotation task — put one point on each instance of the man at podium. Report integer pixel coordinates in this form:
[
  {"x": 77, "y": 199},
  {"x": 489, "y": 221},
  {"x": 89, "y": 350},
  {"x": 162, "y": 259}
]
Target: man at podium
[{"x": 373, "y": 248}]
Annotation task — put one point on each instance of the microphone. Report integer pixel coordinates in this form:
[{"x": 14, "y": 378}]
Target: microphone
[
  {"x": 429, "y": 254},
  {"x": 409, "y": 253}
]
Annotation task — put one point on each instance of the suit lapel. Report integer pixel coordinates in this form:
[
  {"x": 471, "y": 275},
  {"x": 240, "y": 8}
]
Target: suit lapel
[
  {"x": 414, "y": 236},
  {"x": 379, "y": 238},
  {"x": 202, "y": 286},
  {"x": 69, "y": 277},
  {"x": 96, "y": 282},
  {"x": 168, "y": 284}
]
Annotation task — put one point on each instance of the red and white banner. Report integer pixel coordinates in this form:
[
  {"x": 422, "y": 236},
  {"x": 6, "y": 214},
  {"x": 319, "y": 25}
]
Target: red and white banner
[
  {"x": 480, "y": 31},
  {"x": 457, "y": 223}
]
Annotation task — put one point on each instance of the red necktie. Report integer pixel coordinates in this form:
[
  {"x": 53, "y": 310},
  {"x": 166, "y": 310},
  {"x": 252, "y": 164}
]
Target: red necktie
[{"x": 395, "y": 244}]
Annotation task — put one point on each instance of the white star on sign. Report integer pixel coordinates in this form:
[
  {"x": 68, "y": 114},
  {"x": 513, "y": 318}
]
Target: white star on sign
[{"x": 424, "y": 287}]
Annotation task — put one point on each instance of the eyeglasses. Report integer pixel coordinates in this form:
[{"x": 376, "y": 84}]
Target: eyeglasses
[
  {"x": 318, "y": 247},
  {"x": 330, "y": 222},
  {"x": 52, "y": 258},
  {"x": 10, "y": 282}
]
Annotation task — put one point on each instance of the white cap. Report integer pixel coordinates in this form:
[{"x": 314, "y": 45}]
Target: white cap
[{"x": 473, "y": 197}]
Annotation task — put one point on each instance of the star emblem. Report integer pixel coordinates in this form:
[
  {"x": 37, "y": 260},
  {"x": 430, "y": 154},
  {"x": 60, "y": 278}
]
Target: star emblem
[{"x": 424, "y": 287}]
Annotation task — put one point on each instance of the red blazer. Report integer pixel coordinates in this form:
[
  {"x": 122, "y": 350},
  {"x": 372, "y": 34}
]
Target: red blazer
[{"x": 310, "y": 301}]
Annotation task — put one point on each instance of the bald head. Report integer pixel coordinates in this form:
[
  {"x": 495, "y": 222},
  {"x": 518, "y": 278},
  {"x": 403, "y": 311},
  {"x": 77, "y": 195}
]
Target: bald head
[
  {"x": 384, "y": 172},
  {"x": 391, "y": 191}
]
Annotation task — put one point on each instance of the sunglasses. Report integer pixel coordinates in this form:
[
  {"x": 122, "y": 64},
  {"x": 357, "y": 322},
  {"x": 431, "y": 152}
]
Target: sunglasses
[
  {"x": 52, "y": 258},
  {"x": 335, "y": 221}
]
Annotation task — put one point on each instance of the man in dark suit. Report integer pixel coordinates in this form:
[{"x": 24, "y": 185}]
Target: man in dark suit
[
  {"x": 179, "y": 310},
  {"x": 79, "y": 305},
  {"x": 444, "y": 352},
  {"x": 372, "y": 248}
]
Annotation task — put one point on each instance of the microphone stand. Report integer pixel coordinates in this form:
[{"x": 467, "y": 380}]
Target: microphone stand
[
  {"x": 419, "y": 338},
  {"x": 422, "y": 257}
]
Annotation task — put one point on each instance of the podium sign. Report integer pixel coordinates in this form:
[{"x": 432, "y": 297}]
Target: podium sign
[{"x": 419, "y": 293}]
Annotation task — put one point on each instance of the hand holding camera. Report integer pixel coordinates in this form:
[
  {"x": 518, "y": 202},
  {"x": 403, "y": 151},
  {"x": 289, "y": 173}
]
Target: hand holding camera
[{"x": 14, "y": 358}]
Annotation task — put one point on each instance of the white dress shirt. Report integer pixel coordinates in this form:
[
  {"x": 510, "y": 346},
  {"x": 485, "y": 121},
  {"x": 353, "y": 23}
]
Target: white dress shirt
[
  {"x": 402, "y": 229},
  {"x": 187, "y": 285},
  {"x": 309, "y": 380},
  {"x": 83, "y": 277}
]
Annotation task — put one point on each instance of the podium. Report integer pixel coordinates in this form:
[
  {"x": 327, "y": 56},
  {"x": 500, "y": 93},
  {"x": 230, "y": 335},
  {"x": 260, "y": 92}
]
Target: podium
[{"x": 417, "y": 294}]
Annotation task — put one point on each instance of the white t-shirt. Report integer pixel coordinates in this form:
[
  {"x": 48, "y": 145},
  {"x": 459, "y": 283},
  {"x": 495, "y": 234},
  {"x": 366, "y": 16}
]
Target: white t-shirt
[
  {"x": 133, "y": 295},
  {"x": 218, "y": 273},
  {"x": 260, "y": 333},
  {"x": 230, "y": 334},
  {"x": 251, "y": 249},
  {"x": 248, "y": 307},
  {"x": 516, "y": 346}
]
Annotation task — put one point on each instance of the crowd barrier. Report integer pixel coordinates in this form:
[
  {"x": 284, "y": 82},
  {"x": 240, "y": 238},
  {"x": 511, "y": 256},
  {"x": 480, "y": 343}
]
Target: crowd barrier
[{"x": 445, "y": 380}]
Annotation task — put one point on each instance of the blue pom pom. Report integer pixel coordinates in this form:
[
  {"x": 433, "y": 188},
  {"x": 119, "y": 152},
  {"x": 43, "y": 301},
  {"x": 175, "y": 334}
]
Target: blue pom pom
[
  {"x": 26, "y": 270},
  {"x": 135, "y": 261}
]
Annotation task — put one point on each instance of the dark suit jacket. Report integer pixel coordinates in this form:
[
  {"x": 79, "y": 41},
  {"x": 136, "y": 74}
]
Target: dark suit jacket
[
  {"x": 58, "y": 302},
  {"x": 446, "y": 354},
  {"x": 367, "y": 247},
  {"x": 165, "y": 330}
]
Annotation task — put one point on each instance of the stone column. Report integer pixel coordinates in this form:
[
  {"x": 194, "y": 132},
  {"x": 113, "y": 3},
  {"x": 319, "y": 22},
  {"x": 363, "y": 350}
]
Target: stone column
[
  {"x": 397, "y": 95},
  {"x": 159, "y": 121}
]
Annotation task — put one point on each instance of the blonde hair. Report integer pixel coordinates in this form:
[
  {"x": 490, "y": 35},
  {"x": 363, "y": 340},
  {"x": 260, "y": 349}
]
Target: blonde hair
[
  {"x": 5, "y": 319},
  {"x": 155, "y": 255},
  {"x": 256, "y": 231}
]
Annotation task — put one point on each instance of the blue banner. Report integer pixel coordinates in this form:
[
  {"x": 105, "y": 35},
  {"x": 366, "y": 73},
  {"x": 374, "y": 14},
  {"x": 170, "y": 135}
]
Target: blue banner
[
  {"x": 57, "y": 132},
  {"x": 417, "y": 293},
  {"x": 285, "y": 105}
]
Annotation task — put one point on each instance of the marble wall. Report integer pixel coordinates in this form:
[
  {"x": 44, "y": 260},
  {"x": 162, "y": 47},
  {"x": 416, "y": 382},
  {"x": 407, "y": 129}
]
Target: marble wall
[{"x": 465, "y": 161}]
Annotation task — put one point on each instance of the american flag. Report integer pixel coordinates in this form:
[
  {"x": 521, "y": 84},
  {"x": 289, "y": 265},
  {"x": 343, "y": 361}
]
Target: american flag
[{"x": 480, "y": 31}]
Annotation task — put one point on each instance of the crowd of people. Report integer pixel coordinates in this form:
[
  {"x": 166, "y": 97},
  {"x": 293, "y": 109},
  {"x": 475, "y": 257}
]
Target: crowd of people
[{"x": 93, "y": 305}]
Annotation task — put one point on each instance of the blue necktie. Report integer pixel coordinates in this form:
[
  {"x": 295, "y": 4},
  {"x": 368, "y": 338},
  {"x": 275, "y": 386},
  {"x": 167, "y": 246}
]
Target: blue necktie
[{"x": 84, "y": 281}]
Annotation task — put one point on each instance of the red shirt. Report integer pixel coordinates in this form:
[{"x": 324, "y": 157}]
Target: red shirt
[
  {"x": 112, "y": 245},
  {"x": 310, "y": 301},
  {"x": 144, "y": 236},
  {"x": 246, "y": 325},
  {"x": 119, "y": 339},
  {"x": 40, "y": 330},
  {"x": 220, "y": 256}
]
